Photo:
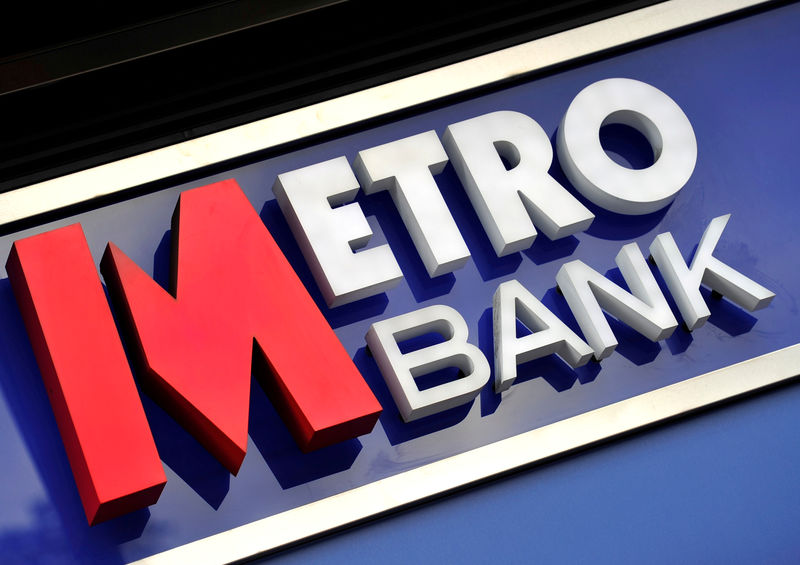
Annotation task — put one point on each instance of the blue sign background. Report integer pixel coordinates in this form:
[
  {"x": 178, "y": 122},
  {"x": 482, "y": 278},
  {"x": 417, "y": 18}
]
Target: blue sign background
[{"x": 739, "y": 87}]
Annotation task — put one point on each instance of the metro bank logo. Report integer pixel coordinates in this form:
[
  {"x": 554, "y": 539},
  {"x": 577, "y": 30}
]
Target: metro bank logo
[{"x": 235, "y": 304}]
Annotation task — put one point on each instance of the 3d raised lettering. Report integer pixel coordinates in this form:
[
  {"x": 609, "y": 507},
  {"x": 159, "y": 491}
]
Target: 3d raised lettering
[
  {"x": 405, "y": 168},
  {"x": 644, "y": 308},
  {"x": 684, "y": 282},
  {"x": 235, "y": 298},
  {"x": 84, "y": 368},
  {"x": 235, "y": 306},
  {"x": 399, "y": 369},
  {"x": 314, "y": 201},
  {"x": 513, "y": 302},
  {"x": 511, "y": 202},
  {"x": 645, "y": 108}
]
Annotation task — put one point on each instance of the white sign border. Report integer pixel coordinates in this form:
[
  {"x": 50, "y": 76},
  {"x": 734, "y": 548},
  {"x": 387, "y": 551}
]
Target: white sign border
[{"x": 441, "y": 477}]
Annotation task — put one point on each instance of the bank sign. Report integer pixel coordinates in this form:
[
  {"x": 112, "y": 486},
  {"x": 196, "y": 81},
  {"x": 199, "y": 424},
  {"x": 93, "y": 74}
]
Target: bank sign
[{"x": 201, "y": 357}]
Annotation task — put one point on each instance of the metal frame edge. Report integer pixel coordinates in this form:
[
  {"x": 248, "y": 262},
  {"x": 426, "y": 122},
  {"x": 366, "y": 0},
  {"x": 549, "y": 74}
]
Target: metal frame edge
[{"x": 450, "y": 474}]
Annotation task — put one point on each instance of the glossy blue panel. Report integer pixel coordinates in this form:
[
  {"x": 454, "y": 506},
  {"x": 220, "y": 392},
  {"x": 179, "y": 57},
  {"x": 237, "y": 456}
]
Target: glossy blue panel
[
  {"x": 738, "y": 85},
  {"x": 716, "y": 488}
]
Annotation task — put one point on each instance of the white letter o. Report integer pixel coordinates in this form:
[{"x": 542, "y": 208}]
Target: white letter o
[{"x": 656, "y": 116}]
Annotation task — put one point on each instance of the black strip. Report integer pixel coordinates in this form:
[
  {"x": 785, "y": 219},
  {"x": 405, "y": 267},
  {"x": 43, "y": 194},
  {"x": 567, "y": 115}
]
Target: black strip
[{"x": 284, "y": 62}]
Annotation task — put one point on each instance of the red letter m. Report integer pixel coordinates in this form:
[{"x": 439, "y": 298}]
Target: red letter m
[{"x": 234, "y": 300}]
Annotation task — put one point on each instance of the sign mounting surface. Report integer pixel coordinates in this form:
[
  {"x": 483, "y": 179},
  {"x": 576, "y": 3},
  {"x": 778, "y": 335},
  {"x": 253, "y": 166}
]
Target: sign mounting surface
[{"x": 202, "y": 499}]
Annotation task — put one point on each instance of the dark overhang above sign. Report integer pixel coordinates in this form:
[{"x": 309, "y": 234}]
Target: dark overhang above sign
[{"x": 82, "y": 83}]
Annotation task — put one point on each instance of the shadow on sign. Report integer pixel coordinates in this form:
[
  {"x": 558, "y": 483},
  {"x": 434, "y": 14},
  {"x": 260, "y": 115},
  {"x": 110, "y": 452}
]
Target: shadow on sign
[
  {"x": 25, "y": 397},
  {"x": 291, "y": 466}
]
